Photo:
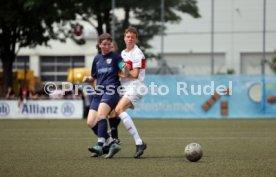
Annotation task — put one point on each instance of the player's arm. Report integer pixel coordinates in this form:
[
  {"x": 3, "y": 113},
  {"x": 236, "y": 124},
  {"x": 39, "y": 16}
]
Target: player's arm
[
  {"x": 93, "y": 75},
  {"x": 124, "y": 68},
  {"x": 137, "y": 64},
  {"x": 134, "y": 73},
  {"x": 88, "y": 79}
]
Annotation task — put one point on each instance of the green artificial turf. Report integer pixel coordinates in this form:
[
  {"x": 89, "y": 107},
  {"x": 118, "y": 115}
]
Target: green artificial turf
[{"x": 49, "y": 148}]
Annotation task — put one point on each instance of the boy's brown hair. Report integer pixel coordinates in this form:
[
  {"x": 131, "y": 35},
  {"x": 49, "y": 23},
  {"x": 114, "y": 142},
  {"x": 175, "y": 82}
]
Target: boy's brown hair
[{"x": 132, "y": 29}]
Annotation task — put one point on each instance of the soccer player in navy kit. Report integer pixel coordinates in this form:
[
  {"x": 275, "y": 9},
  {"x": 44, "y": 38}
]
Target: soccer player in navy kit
[{"x": 105, "y": 69}]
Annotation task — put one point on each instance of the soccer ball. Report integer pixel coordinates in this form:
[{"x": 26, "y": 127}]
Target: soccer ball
[{"x": 193, "y": 152}]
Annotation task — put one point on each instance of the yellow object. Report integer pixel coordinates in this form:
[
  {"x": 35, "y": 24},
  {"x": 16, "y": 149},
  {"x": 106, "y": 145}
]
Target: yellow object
[
  {"x": 19, "y": 77},
  {"x": 76, "y": 75},
  {"x": 29, "y": 77}
]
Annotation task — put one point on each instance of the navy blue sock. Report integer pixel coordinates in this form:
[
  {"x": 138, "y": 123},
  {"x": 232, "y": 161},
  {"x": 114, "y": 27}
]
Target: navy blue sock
[
  {"x": 95, "y": 129},
  {"x": 113, "y": 123},
  {"x": 102, "y": 130}
]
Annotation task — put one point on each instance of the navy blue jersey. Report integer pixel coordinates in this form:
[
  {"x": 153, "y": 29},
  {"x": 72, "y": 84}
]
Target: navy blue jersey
[{"x": 105, "y": 69}]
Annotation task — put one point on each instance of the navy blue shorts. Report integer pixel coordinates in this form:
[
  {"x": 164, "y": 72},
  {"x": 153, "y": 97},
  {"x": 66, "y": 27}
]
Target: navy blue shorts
[{"x": 111, "y": 100}]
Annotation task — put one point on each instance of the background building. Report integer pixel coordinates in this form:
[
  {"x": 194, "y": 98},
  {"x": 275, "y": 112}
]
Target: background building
[
  {"x": 238, "y": 43},
  {"x": 238, "y": 38},
  {"x": 52, "y": 63}
]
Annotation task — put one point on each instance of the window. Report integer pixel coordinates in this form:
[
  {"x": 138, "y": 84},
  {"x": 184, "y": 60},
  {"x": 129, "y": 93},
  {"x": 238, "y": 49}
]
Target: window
[
  {"x": 20, "y": 62},
  {"x": 54, "y": 68}
]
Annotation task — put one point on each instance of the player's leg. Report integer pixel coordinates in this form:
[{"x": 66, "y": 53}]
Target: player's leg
[
  {"x": 92, "y": 121},
  {"x": 110, "y": 101},
  {"x": 102, "y": 113},
  {"x": 121, "y": 108},
  {"x": 92, "y": 114},
  {"x": 103, "y": 136},
  {"x": 114, "y": 122}
]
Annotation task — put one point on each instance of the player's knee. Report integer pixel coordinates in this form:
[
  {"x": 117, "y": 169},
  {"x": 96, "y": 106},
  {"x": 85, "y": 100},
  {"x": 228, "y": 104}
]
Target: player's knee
[
  {"x": 119, "y": 110},
  {"x": 101, "y": 116},
  {"x": 112, "y": 114},
  {"x": 91, "y": 123}
]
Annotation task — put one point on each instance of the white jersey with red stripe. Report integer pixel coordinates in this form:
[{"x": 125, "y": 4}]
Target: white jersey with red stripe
[
  {"x": 136, "y": 59},
  {"x": 134, "y": 89}
]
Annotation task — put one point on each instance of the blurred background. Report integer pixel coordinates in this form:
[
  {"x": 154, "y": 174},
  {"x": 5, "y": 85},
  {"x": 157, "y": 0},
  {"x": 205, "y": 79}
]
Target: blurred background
[
  {"x": 199, "y": 46},
  {"x": 55, "y": 41}
]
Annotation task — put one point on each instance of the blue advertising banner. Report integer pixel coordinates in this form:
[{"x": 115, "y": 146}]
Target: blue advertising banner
[{"x": 184, "y": 96}]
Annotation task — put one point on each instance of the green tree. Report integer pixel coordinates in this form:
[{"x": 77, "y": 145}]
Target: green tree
[
  {"x": 30, "y": 23},
  {"x": 98, "y": 11},
  {"x": 142, "y": 14},
  {"x": 145, "y": 16}
]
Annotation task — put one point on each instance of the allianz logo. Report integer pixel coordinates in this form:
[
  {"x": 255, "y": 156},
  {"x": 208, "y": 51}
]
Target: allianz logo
[
  {"x": 38, "y": 109},
  {"x": 67, "y": 109},
  {"x": 4, "y": 109}
]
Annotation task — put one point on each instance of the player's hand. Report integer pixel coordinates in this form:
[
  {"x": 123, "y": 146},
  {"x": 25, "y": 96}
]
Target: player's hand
[
  {"x": 126, "y": 66},
  {"x": 86, "y": 79},
  {"x": 121, "y": 74},
  {"x": 125, "y": 70}
]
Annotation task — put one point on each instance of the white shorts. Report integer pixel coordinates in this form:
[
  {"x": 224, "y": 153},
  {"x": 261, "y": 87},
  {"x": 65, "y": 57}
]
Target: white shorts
[{"x": 134, "y": 92}]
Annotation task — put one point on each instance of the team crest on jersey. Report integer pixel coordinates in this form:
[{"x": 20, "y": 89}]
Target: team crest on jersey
[{"x": 108, "y": 61}]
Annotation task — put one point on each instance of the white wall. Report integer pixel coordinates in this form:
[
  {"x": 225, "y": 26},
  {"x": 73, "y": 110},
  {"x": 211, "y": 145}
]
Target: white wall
[
  {"x": 237, "y": 31},
  {"x": 238, "y": 26},
  {"x": 250, "y": 63},
  {"x": 195, "y": 63},
  {"x": 60, "y": 49}
]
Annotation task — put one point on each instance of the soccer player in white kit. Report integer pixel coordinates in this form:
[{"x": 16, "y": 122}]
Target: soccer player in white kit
[{"x": 133, "y": 85}]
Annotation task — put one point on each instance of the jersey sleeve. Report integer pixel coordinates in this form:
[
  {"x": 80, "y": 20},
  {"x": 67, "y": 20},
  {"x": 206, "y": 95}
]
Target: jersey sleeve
[
  {"x": 121, "y": 65},
  {"x": 119, "y": 61},
  {"x": 94, "y": 68},
  {"x": 138, "y": 60}
]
